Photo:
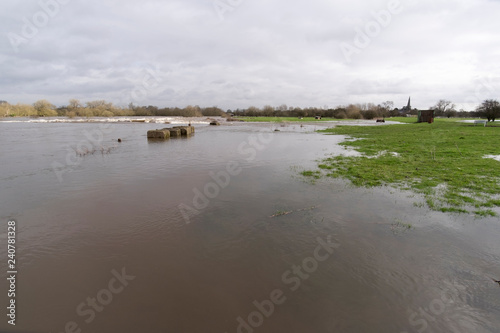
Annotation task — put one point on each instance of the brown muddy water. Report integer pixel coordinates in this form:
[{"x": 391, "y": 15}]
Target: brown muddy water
[{"x": 219, "y": 233}]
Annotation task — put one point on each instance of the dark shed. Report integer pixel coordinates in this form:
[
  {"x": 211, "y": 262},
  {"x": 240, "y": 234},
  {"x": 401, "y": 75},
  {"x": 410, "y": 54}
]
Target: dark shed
[{"x": 426, "y": 116}]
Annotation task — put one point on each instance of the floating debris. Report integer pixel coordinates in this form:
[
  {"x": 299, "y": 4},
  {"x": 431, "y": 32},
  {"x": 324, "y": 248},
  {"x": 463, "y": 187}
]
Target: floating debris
[{"x": 281, "y": 213}]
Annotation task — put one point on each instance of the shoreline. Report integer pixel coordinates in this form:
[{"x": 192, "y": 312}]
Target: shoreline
[
  {"x": 125, "y": 119},
  {"x": 196, "y": 120}
]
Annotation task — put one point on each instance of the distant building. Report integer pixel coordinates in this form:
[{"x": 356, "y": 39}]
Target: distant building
[
  {"x": 406, "y": 109},
  {"x": 424, "y": 116}
]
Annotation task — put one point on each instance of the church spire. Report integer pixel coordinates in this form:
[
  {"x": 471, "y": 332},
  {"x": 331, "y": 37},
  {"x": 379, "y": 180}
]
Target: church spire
[{"x": 408, "y": 107}]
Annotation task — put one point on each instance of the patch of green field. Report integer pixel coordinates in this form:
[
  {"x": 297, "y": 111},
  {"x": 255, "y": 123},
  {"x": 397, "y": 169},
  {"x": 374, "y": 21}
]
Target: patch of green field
[
  {"x": 403, "y": 119},
  {"x": 408, "y": 120},
  {"x": 285, "y": 119},
  {"x": 312, "y": 119},
  {"x": 443, "y": 161}
]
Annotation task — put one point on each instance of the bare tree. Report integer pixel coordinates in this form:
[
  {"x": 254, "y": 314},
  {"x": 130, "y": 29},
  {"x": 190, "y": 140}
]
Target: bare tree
[
  {"x": 489, "y": 109},
  {"x": 267, "y": 111},
  {"x": 388, "y": 105},
  {"x": 74, "y": 104},
  {"x": 100, "y": 104},
  {"x": 442, "y": 106},
  {"x": 4, "y": 109},
  {"x": 282, "y": 107},
  {"x": 44, "y": 108}
]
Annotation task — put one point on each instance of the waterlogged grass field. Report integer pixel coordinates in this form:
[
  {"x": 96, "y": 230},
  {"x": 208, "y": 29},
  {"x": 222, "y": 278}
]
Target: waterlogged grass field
[
  {"x": 413, "y": 119},
  {"x": 445, "y": 161},
  {"x": 285, "y": 119},
  {"x": 312, "y": 119}
]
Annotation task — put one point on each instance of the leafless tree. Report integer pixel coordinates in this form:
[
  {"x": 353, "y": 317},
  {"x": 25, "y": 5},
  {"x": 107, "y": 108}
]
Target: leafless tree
[
  {"x": 442, "y": 106},
  {"x": 489, "y": 109}
]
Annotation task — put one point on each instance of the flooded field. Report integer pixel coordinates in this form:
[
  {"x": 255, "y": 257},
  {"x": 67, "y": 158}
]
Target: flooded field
[{"x": 219, "y": 233}]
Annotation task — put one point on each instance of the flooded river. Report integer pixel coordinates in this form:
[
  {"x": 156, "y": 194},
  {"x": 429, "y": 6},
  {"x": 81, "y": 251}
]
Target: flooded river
[{"x": 219, "y": 233}]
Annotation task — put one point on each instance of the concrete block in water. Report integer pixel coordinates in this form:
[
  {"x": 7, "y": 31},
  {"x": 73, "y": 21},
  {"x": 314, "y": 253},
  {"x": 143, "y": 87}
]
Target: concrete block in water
[
  {"x": 186, "y": 130},
  {"x": 166, "y": 133},
  {"x": 174, "y": 132},
  {"x": 159, "y": 134}
]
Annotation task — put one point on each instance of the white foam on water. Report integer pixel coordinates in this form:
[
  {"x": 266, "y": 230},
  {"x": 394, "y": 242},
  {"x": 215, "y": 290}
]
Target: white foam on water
[{"x": 156, "y": 120}]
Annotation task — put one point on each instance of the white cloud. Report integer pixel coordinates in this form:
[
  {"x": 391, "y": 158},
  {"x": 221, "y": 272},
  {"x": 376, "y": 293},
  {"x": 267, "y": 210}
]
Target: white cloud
[{"x": 262, "y": 52}]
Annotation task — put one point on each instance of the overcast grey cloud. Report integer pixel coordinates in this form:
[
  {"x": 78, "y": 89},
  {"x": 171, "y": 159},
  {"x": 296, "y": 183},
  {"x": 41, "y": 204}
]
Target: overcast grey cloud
[{"x": 238, "y": 53}]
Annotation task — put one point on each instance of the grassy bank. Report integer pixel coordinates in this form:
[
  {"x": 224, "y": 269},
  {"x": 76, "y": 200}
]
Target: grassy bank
[
  {"x": 409, "y": 120},
  {"x": 312, "y": 119},
  {"x": 444, "y": 161},
  {"x": 285, "y": 119}
]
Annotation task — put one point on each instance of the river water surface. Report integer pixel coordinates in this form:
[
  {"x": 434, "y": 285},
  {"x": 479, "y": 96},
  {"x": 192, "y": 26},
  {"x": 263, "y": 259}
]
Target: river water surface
[{"x": 219, "y": 233}]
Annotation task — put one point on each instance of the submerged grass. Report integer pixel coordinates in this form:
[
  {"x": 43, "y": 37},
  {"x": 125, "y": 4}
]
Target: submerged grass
[
  {"x": 399, "y": 226},
  {"x": 444, "y": 161}
]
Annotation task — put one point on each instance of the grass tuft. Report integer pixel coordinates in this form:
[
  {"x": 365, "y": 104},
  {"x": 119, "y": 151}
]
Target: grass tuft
[{"x": 309, "y": 173}]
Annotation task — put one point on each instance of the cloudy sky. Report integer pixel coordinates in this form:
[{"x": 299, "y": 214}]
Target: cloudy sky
[{"x": 239, "y": 53}]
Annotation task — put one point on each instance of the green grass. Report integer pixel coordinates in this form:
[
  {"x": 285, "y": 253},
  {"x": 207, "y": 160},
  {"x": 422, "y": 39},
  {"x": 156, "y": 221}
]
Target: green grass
[
  {"x": 314, "y": 174},
  {"x": 403, "y": 119},
  {"x": 312, "y": 119},
  {"x": 286, "y": 119},
  {"x": 414, "y": 119},
  {"x": 443, "y": 161}
]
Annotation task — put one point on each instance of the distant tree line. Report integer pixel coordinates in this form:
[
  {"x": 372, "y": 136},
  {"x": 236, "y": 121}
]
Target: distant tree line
[
  {"x": 442, "y": 108},
  {"x": 489, "y": 109},
  {"x": 352, "y": 111},
  {"x": 101, "y": 108}
]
